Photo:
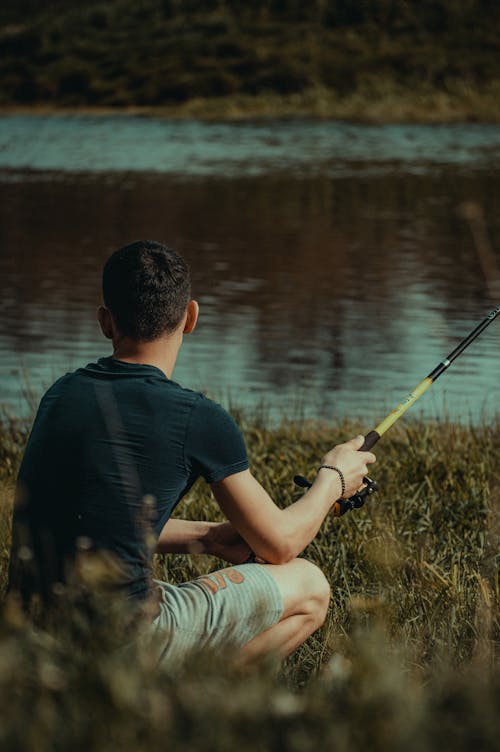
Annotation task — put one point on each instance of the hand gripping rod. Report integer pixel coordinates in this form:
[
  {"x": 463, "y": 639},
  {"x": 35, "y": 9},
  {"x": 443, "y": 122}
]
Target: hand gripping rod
[{"x": 371, "y": 438}]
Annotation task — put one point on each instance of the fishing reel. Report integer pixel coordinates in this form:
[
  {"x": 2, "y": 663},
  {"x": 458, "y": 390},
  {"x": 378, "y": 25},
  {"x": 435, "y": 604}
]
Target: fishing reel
[{"x": 345, "y": 505}]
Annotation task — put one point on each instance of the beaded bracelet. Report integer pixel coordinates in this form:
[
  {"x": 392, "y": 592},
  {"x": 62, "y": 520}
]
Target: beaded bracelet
[{"x": 341, "y": 476}]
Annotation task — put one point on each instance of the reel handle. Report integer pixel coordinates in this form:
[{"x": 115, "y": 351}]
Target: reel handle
[{"x": 345, "y": 505}]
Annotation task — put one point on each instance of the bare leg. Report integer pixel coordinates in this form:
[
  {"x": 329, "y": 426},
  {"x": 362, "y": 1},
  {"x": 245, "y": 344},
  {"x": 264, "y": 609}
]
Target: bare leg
[{"x": 306, "y": 595}]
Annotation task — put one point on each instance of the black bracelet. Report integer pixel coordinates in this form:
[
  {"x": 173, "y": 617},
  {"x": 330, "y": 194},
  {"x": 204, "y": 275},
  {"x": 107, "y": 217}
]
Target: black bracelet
[{"x": 341, "y": 476}]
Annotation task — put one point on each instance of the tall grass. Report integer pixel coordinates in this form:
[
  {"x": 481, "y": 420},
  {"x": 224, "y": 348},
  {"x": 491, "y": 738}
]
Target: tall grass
[
  {"x": 408, "y": 657},
  {"x": 370, "y": 59}
]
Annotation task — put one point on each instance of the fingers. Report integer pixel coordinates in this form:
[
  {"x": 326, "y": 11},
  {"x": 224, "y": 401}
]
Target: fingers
[{"x": 357, "y": 443}]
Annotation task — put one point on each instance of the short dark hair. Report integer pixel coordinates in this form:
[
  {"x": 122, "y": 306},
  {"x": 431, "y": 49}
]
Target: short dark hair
[{"x": 146, "y": 286}]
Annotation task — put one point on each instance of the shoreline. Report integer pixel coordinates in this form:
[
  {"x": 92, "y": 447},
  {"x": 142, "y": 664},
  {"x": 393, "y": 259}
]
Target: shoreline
[{"x": 431, "y": 108}]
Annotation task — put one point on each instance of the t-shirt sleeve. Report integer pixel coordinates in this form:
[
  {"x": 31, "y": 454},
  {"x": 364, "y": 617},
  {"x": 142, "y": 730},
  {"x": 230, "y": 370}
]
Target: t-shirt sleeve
[{"x": 215, "y": 447}]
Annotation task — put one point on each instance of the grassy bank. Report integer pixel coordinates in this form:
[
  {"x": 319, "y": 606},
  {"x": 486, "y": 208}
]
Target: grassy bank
[
  {"x": 407, "y": 659},
  {"x": 372, "y": 60}
]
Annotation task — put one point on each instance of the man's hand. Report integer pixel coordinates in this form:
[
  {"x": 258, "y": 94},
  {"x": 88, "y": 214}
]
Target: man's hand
[
  {"x": 200, "y": 537},
  {"x": 352, "y": 463},
  {"x": 225, "y": 542}
]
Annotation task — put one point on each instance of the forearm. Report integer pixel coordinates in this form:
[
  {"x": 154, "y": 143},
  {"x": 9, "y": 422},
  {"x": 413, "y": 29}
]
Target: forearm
[
  {"x": 303, "y": 519},
  {"x": 276, "y": 535},
  {"x": 185, "y": 537}
]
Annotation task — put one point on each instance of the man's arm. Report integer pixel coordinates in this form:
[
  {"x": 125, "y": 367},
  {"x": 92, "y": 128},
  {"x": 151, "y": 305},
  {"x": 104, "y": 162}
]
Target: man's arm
[
  {"x": 279, "y": 535},
  {"x": 200, "y": 537}
]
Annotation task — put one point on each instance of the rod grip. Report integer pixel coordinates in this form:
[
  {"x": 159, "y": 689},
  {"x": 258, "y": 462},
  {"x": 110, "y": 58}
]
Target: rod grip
[{"x": 371, "y": 439}]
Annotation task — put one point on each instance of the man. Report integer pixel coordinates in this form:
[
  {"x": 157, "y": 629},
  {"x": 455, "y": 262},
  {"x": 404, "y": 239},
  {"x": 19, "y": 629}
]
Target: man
[{"x": 117, "y": 444}]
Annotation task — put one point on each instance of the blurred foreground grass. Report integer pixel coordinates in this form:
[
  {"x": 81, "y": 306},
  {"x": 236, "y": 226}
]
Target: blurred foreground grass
[{"x": 407, "y": 659}]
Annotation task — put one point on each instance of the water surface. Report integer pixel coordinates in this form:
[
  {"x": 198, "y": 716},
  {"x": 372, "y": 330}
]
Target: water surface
[{"x": 331, "y": 261}]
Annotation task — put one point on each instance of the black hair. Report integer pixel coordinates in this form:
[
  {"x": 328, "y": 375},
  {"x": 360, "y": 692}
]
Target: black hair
[{"x": 146, "y": 286}]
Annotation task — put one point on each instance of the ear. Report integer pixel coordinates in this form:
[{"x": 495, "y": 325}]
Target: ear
[
  {"x": 192, "y": 313},
  {"x": 105, "y": 322}
]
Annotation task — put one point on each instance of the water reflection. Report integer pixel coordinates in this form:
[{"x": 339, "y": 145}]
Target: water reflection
[{"x": 340, "y": 293}]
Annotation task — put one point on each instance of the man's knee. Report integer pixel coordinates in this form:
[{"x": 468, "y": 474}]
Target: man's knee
[
  {"x": 317, "y": 591},
  {"x": 304, "y": 588}
]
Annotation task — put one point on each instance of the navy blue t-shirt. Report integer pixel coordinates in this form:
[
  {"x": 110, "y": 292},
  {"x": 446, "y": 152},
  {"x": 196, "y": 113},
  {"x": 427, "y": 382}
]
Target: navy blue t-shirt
[{"x": 113, "y": 449}]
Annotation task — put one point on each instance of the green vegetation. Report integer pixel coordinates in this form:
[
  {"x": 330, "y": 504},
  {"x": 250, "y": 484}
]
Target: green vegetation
[
  {"x": 367, "y": 59},
  {"x": 406, "y": 661}
]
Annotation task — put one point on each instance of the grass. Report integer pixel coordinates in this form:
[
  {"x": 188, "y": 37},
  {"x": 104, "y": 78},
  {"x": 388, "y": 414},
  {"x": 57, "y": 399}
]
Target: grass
[
  {"x": 408, "y": 657},
  {"x": 381, "y": 101},
  {"x": 375, "y": 60}
]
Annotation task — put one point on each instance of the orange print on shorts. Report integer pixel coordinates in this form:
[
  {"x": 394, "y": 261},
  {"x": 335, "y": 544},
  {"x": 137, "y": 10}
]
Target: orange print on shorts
[
  {"x": 234, "y": 576},
  {"x": 220, "y": 580}
]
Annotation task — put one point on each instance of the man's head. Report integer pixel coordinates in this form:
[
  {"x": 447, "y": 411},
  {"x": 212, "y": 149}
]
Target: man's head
[{"x": 146, "y": 288}]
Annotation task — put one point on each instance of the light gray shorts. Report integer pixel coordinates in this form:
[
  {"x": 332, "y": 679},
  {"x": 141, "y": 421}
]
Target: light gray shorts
[{"x": 222, "y": 609}]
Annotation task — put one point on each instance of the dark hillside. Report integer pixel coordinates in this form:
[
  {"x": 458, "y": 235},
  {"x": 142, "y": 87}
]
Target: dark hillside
[{"x": 167, "y": 52}]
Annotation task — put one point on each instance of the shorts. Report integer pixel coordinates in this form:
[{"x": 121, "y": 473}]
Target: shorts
[{"x": 223, "y": 609}]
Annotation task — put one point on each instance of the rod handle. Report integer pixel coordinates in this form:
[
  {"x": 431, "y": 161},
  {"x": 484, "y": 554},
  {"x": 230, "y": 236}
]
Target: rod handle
[{"x": 371, "y": 439}]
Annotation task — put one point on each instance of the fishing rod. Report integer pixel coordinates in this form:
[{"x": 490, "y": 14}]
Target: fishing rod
[{"x": 355, "y": 502}]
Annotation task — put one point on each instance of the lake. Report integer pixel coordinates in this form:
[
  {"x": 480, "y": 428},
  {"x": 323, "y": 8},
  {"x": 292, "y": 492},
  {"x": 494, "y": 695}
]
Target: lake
[{"x": 333, "y": 262}]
